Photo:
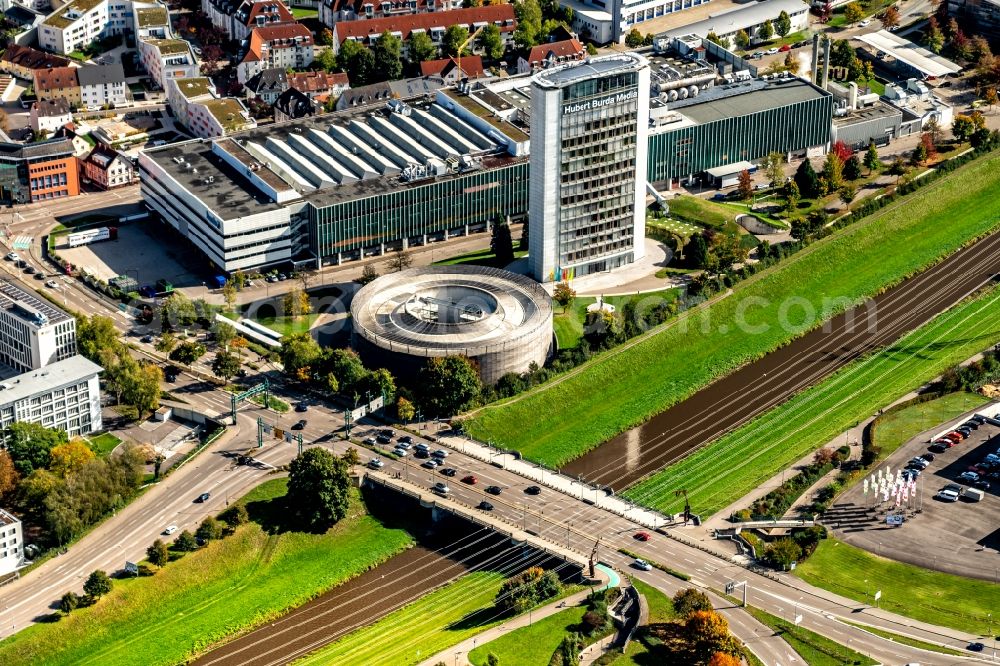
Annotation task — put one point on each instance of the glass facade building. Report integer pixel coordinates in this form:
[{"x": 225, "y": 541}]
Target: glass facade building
[
  {"x": 587, "y": 204},
  {"x": 750, "y": 129},
  {"x": 414, "y": 212}
]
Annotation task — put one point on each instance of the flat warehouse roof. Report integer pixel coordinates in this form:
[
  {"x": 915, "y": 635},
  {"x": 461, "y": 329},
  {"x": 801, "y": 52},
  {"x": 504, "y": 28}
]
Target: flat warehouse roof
[
  {"x": 930, "y": 64},
  {"x": 743, "y": 99}
]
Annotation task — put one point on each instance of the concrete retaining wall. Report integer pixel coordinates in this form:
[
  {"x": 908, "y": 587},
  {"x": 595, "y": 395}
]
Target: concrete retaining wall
[{"x": 755, "y": 226}]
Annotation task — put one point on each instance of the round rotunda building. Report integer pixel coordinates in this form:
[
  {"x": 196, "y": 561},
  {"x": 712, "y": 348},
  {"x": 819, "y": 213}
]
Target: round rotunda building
[{"x": 500, "y": 320}]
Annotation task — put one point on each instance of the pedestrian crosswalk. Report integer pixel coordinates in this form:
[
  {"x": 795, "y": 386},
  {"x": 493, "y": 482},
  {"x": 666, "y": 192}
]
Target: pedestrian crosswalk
[{"x": 22, "y": 243}]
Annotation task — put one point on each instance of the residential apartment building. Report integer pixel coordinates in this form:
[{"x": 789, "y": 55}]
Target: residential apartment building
[
  {"x": 151, "y": 21},
  {"x": 293, "y": 105},
  {"x": 332, "y": 11},
  {"x": 448, "y": 71},
  {"x": 11, "y": 543},
  {"x": 102, "y": 85},
  {"x": 320, "y": 86},
  {"x": 267, "y": 85},
  {"x": 288, "y": 46},
  {"x": 553, "y": 53},
  {"x": 58, "y": 83},
  {"x": 202, "y": 112},
  {"x": 77, "y": 24},
  {"x": 109, "y": 169},
  {"x": 434, "y": 24},
  {"x": 167, "y": 59},
  {"x": 254, "y": 14},
  {"x": 47, "y": 116},
  {"x": 24, "y": 61}
]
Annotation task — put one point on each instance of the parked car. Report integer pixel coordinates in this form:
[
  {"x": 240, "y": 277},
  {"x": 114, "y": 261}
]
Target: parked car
[
  {"x": 29, "y": 269},
  {"x": 402, "y": 453},
  {"x": 403, "y": 445},
  {"x": 938, "y": 448},
  {"x": 429, "y": 464},
  {"x": 440, "y": 453},
  {"x": 785, "y": 48},
  {"x": 12, "y": 256},
  {"x": 642, "y": 565},
  {"x": 947, "y": 496},
  {"x": 968, "y": 477},
  {"x": 929, "y": 457},
  {"x": 494, "y": 490},
  {"x": 772, "y": 50},
  {"x": 982, "y": 484},
  {"x": 405, "y": 439},
  {"x": 370, "y": 441},
  {"x": 382, "y": 439}
]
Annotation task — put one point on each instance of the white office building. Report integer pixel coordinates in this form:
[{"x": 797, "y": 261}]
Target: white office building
[
  {"x": 42, "y": 379},
  {"x": 11, "y": 543},
  {"x": 33, "y": 333},
  {"x": 589, "y": 125}
]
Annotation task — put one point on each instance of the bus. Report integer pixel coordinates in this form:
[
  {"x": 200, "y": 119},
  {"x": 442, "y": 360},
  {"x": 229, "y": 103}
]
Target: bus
[{"x": 92, "y": 236}]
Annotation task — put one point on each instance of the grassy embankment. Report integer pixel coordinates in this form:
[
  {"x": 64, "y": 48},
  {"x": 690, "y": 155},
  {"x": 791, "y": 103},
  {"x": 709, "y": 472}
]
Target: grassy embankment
[
  {"x": 762, "y": 448},
  {"x": 217, "y": 592},
  {"x": 925, "y": 595},
  {"x": 639, "y": 380},
  {"x": 568, "y": 322},
  {"x": 895, "y": 428},
  {"x": 533, "y": 644},
  {"x": 816, "y": 650}
]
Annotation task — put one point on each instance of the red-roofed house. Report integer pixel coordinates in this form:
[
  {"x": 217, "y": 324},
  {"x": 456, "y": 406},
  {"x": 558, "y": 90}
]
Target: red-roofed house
[
  {"x": 447, "y": 69},
  {"x": 331, "y": 11},
  {"x": 553, "y": 53},
  {"x": 254, "y": 14},
  {"x": 319, "y": 86},
  {"x": 285, "y": 46},
  {"x": 58, "y": 83},
  {"x": 434, "y": 24}
]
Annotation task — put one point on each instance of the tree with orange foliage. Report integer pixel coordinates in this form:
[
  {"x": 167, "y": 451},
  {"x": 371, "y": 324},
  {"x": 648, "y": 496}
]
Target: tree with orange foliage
[
  {"x": 723, "y": 659},
  {"x": 708, "y": 633},
  {"x": 9, "y": 478},
  {"x": 70, "y": 457}
]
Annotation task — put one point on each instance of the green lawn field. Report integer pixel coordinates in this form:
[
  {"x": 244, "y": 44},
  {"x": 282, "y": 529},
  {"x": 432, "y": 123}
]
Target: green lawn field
[
  {"x": 896, "y": 428},
  {"x": 906, "y": 640},
  {"x": 628, "y": 385},
  {"x": 661, "y": 609},
  {"x": 484, "y": 257},
  {"x": 568, "y": 323},
  {"x": 219, "y": 591},
  {"x": 816, "y": 650},
  {"x": 531, "y": 645},
  {"x": 700, "y": 211},
  {"x": 929, "y": 596},
  {"x": 774, "y": 440},
  {"x": 104, "y": 443},
  {"x": 432, "y": 623}
]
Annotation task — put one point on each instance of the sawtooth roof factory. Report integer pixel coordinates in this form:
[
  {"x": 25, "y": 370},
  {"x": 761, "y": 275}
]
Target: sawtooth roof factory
[{"x": 354, "y": 183}]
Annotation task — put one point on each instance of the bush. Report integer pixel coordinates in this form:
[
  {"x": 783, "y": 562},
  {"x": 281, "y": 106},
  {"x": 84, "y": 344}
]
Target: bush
[
  {"x": 235, "y": 516},
  {"x": 209, "y": 529},
  {"x": 526, "y": 589},
  {"x": 69, "y": 602},
  {"x": 98, "y": 584},
  {"x": 157, "y": 553}
]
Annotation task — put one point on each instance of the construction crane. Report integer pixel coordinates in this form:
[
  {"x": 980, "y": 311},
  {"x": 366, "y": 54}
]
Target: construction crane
[{"x": 461, "y": 72}]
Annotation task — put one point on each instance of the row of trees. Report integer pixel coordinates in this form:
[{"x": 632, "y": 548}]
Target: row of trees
[
  {"x": 133, "y": 383},
  {"x": 59, "y": 484},
  {"x": 766, "y": 31},
  {"x": 331, "y": 370}
]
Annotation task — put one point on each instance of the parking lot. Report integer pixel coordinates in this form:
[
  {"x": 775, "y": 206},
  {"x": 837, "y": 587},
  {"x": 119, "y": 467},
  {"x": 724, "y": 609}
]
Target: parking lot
[
  {"x": 146, "y": 251},
  {"x": 960, "y": 537}
]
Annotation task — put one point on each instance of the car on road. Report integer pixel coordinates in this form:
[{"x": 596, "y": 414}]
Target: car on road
[
  {"x": 402, "y": 453},
  {"x": 146, "y": 339},
  {"x": 533, "y": 490},
  {"x": 52, "y": 284},
  {"x": 641, "y": 536},
  {"x": 375, "y": 463},
  {"x": 440, "y": 453},
  {"x": 865, "y": 23},
  {"x": 494, "y": 490},
  {"x": 201, "y": 499},
  {"x": 485, "y": 506},
  {"x": 968, "y": 477},
  {"x": 301, "y": 407},
  {"x": 470, "y": 479},
  {"x": 170, "y": 530},
  {"x": 429, "y": 464},
  {"x": 300, "y": 424},
  {"x": 12, "y": 256},
  {"x": 421, "y": 453},
  {"x": 642, "y": 565},
  {"x": 441, "y": 488},
  {"x": 449, "y": 471},
  {"x": 420, "y": 446},
  {"x": 976, "y": 647},
  {"x": 29, "y": 269},
  {"x": 40, "y": 276}
]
